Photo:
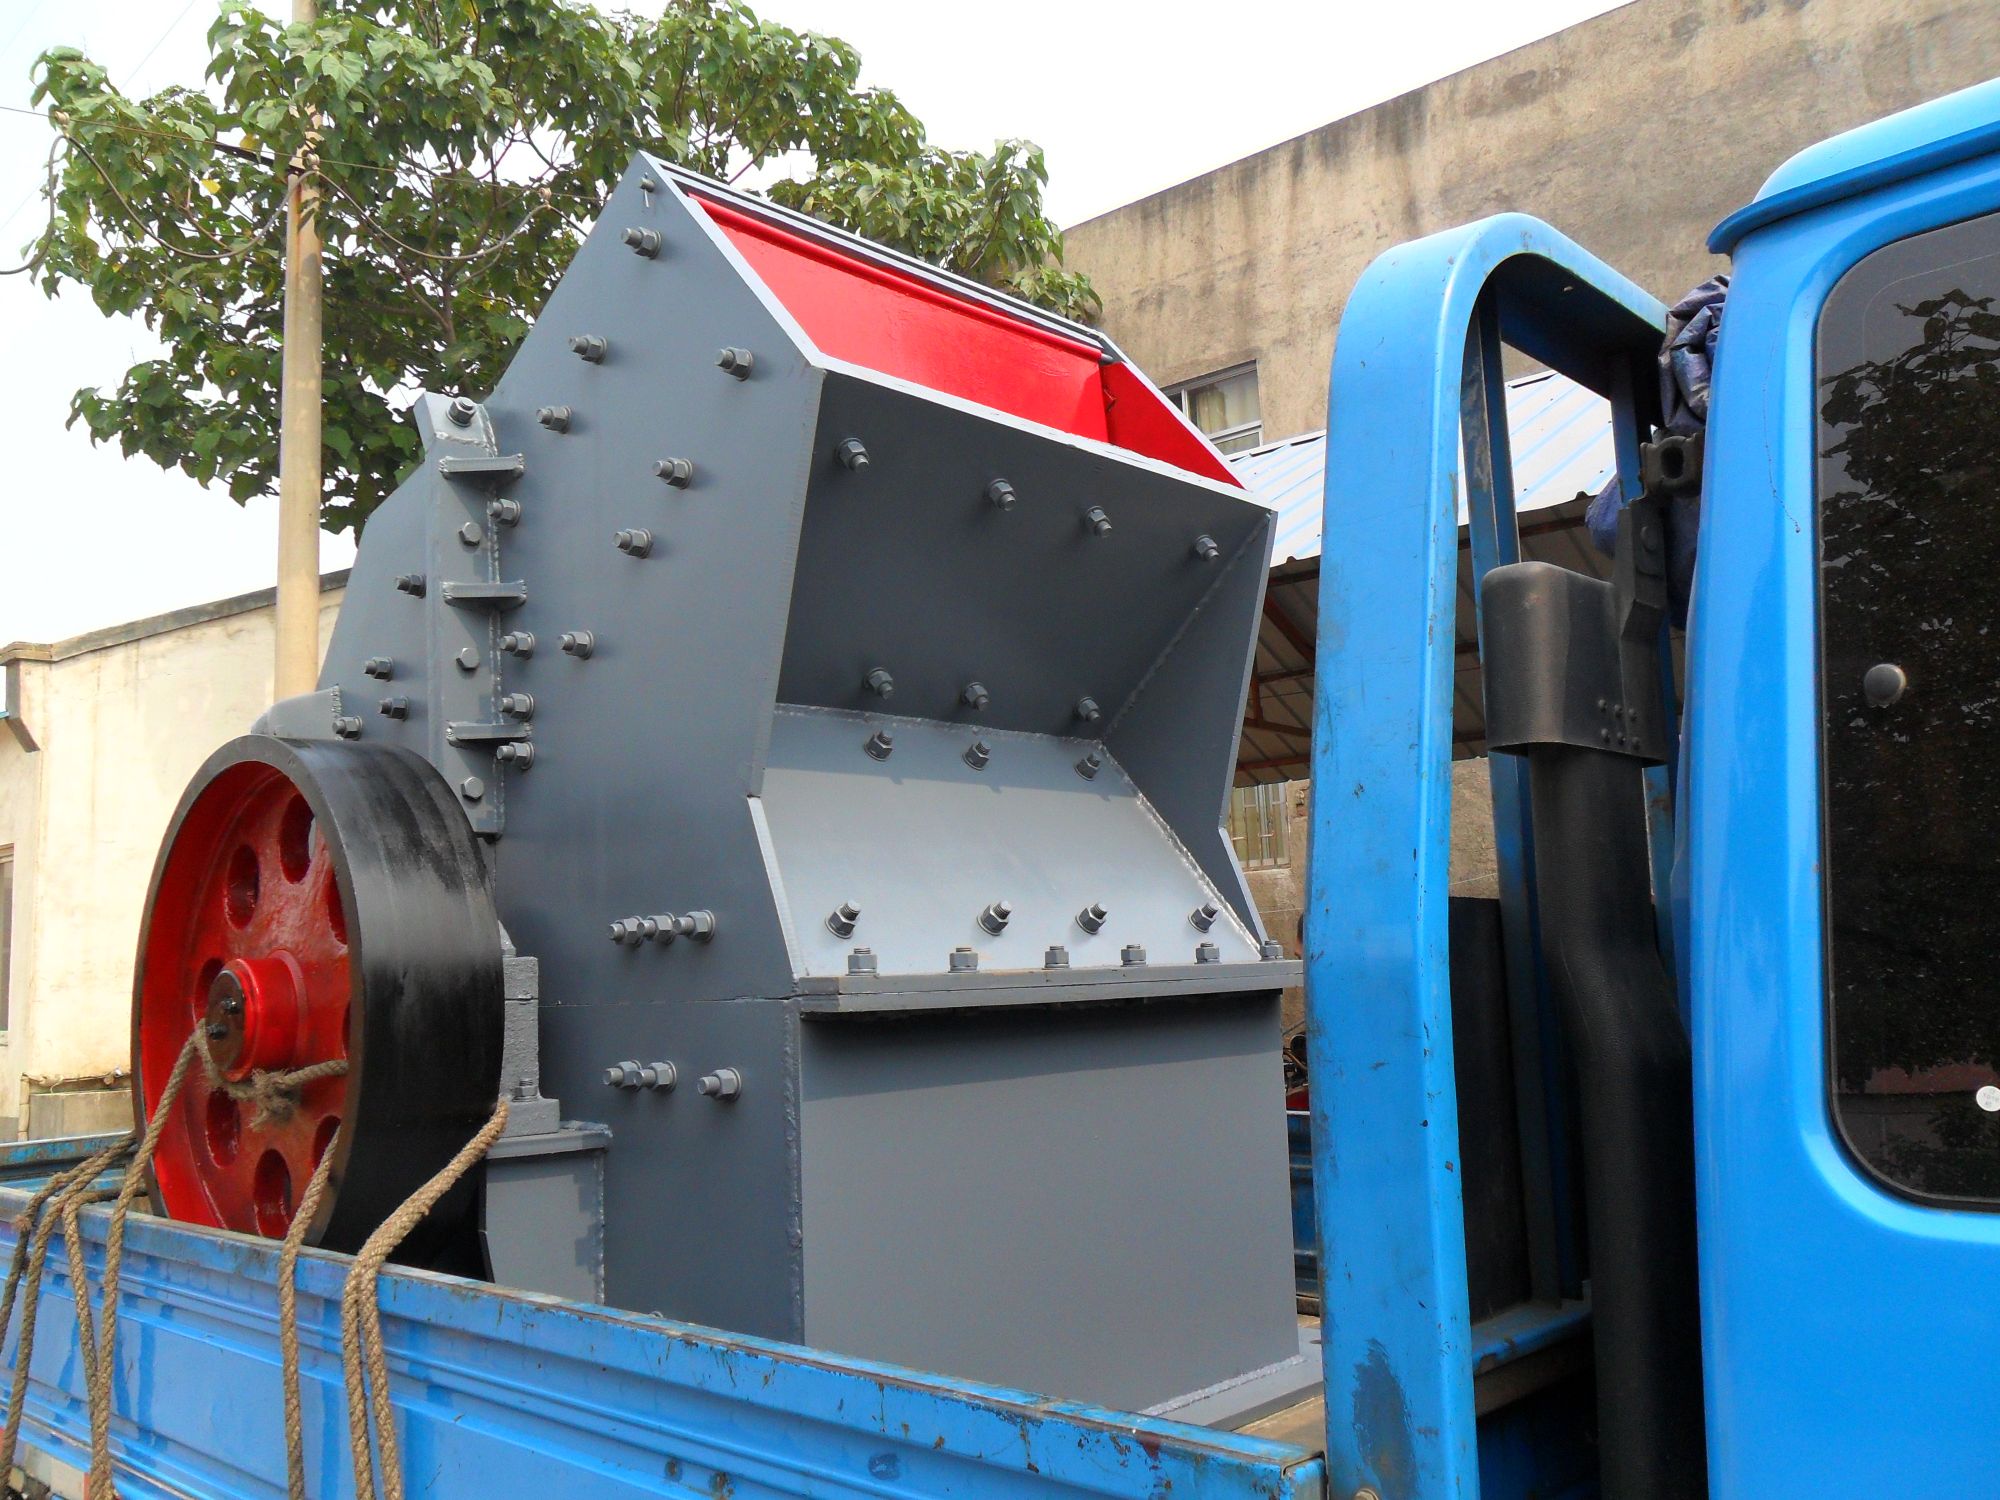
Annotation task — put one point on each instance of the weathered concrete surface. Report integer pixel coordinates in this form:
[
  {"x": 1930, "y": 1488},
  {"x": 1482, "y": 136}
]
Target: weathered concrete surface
[{"x": 1633, "y": 133}]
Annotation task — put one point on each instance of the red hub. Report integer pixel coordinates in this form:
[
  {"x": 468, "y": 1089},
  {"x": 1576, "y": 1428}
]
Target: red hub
[{"x": 247, "y": 939}]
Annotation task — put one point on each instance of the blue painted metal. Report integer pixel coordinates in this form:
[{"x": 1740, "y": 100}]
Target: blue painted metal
[
  {"x": 1398, "y": 1343},
  {"x": 1848, "y": 1334},
  {"x": 502, "y": 1393},
  {"x": 29, "y": 1164}
]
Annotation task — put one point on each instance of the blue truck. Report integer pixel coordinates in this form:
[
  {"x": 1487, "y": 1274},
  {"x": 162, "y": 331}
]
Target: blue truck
[{"x": 1703, "y": 1203}]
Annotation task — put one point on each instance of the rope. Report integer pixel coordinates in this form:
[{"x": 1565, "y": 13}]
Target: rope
[{"x": 288, "y": 1326}]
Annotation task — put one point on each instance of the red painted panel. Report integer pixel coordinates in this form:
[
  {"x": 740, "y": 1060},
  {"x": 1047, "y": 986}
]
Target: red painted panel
[{"x": 889, "y": 320}]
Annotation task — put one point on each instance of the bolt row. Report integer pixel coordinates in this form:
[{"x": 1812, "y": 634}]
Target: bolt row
[
  {"x": 662, "y": 1077},
  {"x": 994, "y": 917},
  {"x": 663, "y": 928}
]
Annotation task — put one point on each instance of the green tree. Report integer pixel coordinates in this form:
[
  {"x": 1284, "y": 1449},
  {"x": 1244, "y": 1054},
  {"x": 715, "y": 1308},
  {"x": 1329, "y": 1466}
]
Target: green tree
[{"x": 461, "y": 148}]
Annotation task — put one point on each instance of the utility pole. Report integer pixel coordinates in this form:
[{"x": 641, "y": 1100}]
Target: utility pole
[{"x": 299, "y": 480}]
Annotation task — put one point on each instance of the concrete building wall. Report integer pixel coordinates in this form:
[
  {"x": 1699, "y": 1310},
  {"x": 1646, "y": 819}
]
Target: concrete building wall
[
  {"x": 120, "y": 719},
  {"x": 1633, "y": 133}
]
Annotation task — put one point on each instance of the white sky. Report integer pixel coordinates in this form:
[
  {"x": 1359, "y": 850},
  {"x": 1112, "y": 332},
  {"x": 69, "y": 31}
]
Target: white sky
[{"x": 1126, "y": 98}]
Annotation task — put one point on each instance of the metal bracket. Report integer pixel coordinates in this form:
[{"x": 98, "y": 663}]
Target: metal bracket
[{"x": 494, "y": 596}]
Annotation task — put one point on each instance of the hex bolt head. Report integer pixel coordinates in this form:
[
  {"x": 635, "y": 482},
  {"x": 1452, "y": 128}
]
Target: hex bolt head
[
  {"x": 660, "y": 1077},
  {"x": 461, "y": 411},
  {"x": 555, "y": 418},
  {"x": 1087, "y": 709},
  {"x": 978, "y": 754},
  {"x": 1271, "y": 948},
  {"x": 996, "y": 917},
  {"x": 472, "y": 533},
  {"x": 518, "y": 643},
  {"x": 1207, "y": 953},
  {"x": 1205, "y": 548},
  {"x": 880, "y": 683},
  {"x": 518, "y": 705},
  {"x": 503, "y": 511},
  {"x": 1203, "y": 916},
  {"x": 347, "y": 726},
  {"x": 1091, "y": 918},
  {"x": 467, "y": 659},
  {"x": 851, "y": 454},
  {"x": 963, "y": 960},
  {"x": 1132, "y": 955},
  {"x": 379, "y": 666},
  {"x": 472, "y": 789},
  {"x": 1090, "y": 765},
  {"x": 579, "y": 643},
  {"x": 678, "y": 472},
  {"x": 1055, "y": 957},
  {"x": 1884, "y": 683},
  {"x": 695, "y": 926},
  {"x": 410, "y": 583},
  {"x": 975, "y": 695},
  {"x": 624, "y": 1075},
  {"x": 394, "y": 708},
  {"x": 517, "y": 753},
  {"x": 637, "y": 542},
  {"x": 880, "y": 744},
  {"x": 722, "y": 1084},
  {"x": 736, "y": 362},
  {"x": 840, "y": 921},
  {"x": 589, "y": 347},
  {"x": 862, "y": 961},
  {"x": 1001, "y": 493},
  {"x": 643, "y": 242},
  {"x": 1096, "y": 522}
]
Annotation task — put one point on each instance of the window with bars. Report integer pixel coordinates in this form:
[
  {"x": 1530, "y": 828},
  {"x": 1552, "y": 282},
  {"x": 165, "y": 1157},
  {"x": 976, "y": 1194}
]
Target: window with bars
[
  {"x": 1224, "y": 406},
  {"x": 1257, "y": 824}
]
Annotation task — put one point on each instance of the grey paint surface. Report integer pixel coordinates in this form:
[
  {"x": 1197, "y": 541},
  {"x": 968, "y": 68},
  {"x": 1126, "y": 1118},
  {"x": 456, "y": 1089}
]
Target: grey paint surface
[
  {"x": 1091, "y": 1204},
  {"x": 543, "y": 1213}
]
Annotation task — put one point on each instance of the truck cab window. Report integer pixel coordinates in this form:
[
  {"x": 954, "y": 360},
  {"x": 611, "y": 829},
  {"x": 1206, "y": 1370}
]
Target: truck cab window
[{"x": 1908, "y": 480}]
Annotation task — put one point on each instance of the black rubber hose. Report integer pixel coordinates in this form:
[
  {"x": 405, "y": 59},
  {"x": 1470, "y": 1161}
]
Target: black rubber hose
[{"x": 1635, "y": 1079}]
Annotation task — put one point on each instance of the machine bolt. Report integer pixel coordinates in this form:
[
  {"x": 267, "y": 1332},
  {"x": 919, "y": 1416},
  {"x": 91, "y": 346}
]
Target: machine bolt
[
  {"x": 659, "y": 1076},
  {"x": 1272, "y": 948},
  {"x": 462, "y": 410},
  {"x": 518, "y": 753},
  {"x": 579, "y": 643},
  {"x": 589, "y": 347},
  {"x": 518, "y": 643},
  {"x": 1091, "y": 918},
  {"x": 852, "y": 454},
  {"x": 1203, "y": 916},
  {"x": 379, "y": 666},
  {"x": 1205, "y": 548},
  {"x": 695, "y": 926},
  {"x": 1207, "y": 953},
  {"x": 1001, "y": 493},
  {"x": 996, "y": 917},
  {"x": 394, "y": 708},
  {"x": 472, "y": 533},
  {"x": 644, "y": 242},
  {"x": 735, "y": 362},
  {"x": 504, "y": 511},
  {"x": 1087, "y": 709},
  {"x": 880, "y": 683},
  {"x": 861, "y": 961},
  {"x": 518, "y": 705},
  {"x": 1090, "y": 765},
  {"x": 472, "y": 789},
  {"x": 1132, "y": 955},
  {"x": 723, "y": 1083},
  {"x": 880, "y": 743},
  {"x": 975, "y": 695},
  {"x": 1987, "y": 1097},
  {"x": 555, "y": 418},
  {"x": 347, "y": 726},
  {"x": 217, "y": 1031},
  {"x": 1884, "y": 683},
  {"x": 1056, "y": 957},
  {"x": 638, "y": 542},
  {"x": 840, "y": 921},
  {"x": 467, "y": 659},
  {"x": 977, "y": 754},
  {"x": 678, "y": 472},
  {"x": 1096, "y": 522},
  {"x": 411, "y": 583},
  {"x": 963, "y": 960},
  {"x": 623, "y": 1075}
]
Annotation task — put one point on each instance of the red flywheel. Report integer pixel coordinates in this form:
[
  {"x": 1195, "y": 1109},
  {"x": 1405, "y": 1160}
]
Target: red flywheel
[{"x": 319, "y": 901}]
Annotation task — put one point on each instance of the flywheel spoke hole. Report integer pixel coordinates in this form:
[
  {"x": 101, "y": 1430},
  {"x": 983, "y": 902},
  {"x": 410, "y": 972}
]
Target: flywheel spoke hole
[
  {"x": 271, "y": 1195},
  {"x": 223, "y": 1127},
  {"x": 295, "y": 830},
  {"x": 204, "y": 981},
  {"x": 239, "y": 895},
  {"x": 323, "y": 1137}
]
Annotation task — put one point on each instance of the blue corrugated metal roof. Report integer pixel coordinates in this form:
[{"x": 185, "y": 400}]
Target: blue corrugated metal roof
[{"x": 1561, "y": 442}]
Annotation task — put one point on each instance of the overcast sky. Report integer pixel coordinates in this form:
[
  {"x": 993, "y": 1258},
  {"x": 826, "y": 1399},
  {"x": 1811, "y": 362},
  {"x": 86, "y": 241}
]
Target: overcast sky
[{"x": 1126, "y": 98}]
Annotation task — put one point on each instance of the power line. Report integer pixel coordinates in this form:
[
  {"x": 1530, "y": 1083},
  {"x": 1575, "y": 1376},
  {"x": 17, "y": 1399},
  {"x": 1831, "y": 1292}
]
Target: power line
[{"x": 172, "y": 26}]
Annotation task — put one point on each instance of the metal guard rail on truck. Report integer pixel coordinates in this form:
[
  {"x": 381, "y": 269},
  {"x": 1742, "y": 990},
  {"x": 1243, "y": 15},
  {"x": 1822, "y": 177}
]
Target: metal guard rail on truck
[{"x": 504, "y": 1393}]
